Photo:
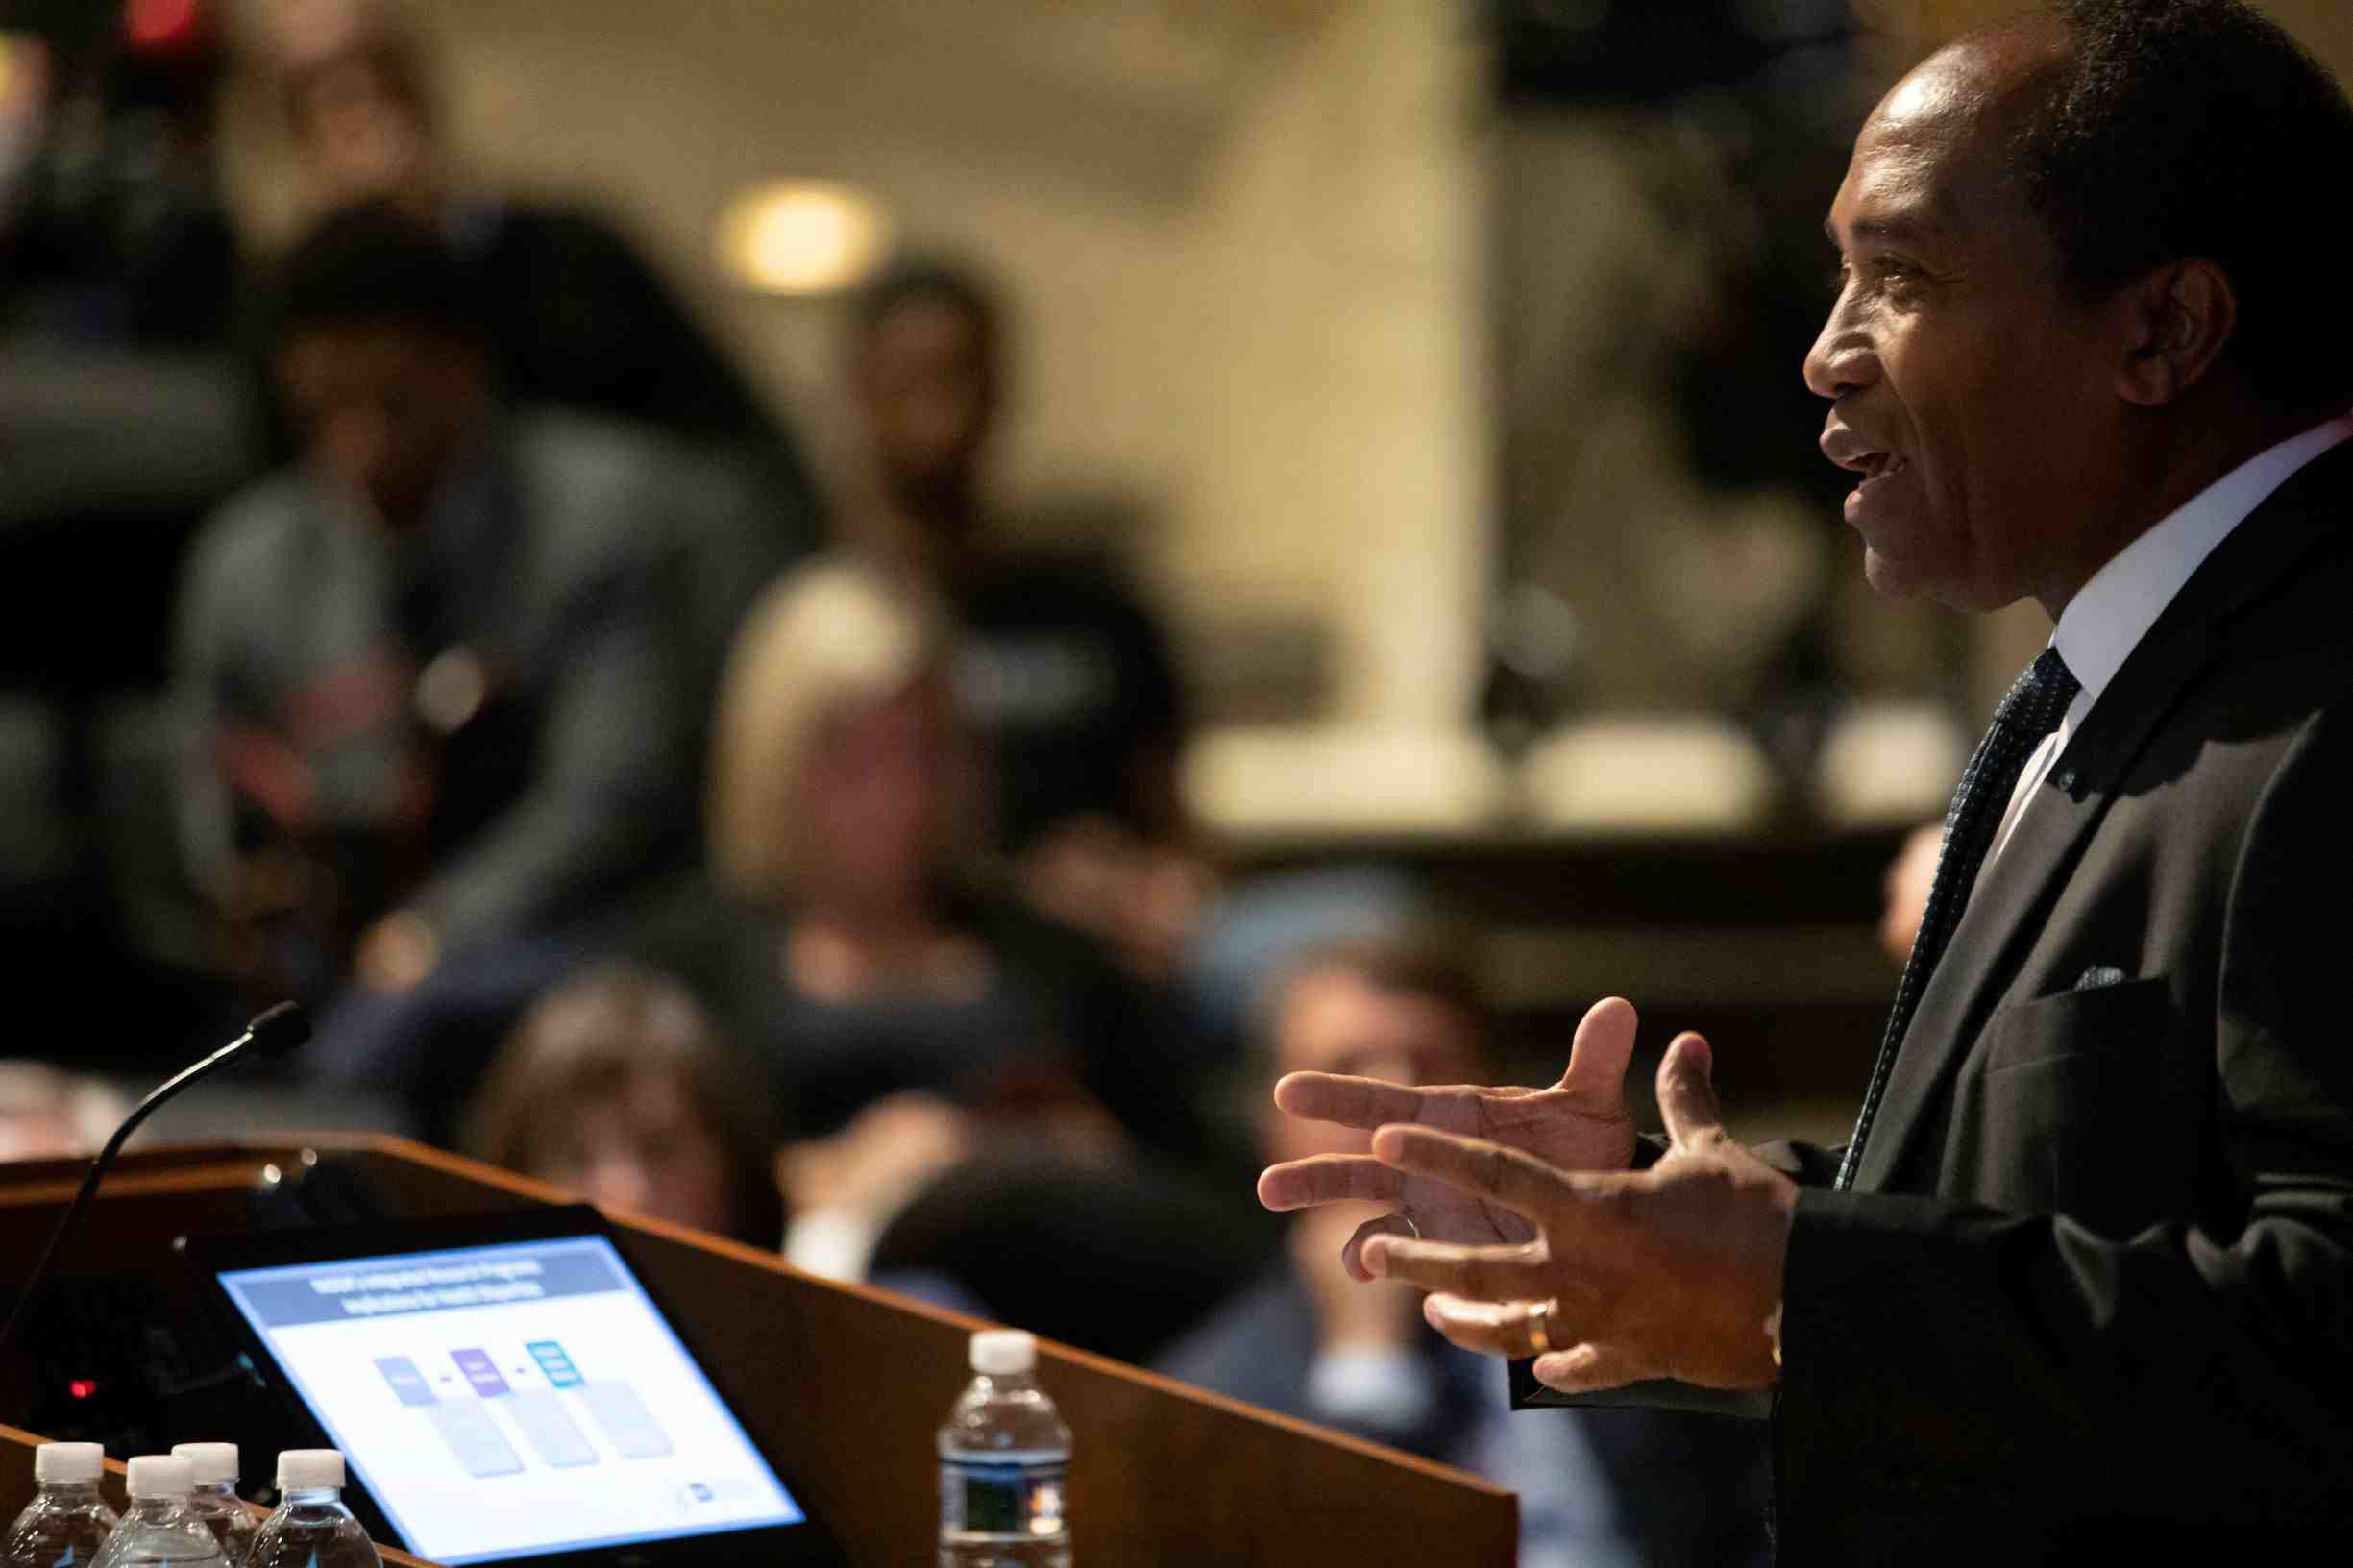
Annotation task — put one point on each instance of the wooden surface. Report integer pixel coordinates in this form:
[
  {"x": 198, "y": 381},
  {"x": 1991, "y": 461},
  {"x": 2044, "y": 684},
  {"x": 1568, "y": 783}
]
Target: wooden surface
[{"x": 844, "y": 1386}]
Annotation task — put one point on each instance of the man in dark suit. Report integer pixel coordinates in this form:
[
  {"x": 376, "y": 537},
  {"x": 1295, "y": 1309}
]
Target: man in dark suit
[
  {"x": 2084, "y": 1277},
  {"x": 443, "y": 682}
]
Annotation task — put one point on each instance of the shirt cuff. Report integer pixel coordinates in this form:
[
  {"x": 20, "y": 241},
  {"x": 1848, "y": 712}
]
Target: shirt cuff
[
  {"x": 1385, "y": 1390},
  {"x": 833, "y": 1244}
]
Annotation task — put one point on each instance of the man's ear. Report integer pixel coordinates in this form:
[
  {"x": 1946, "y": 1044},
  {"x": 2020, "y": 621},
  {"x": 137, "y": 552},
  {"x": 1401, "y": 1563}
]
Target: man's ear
[{"x": 2177, "y": 320}]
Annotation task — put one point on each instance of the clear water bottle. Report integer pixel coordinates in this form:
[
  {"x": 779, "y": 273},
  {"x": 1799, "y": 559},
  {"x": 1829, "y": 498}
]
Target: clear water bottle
[
  {"x": 158, "y": 1529},
  {"x": 311, "y": 1528},
  {"x": 215, "y": 1499},
  {"x": 67, "y": 1521},
  {"x": 1004, "y": 1459}
]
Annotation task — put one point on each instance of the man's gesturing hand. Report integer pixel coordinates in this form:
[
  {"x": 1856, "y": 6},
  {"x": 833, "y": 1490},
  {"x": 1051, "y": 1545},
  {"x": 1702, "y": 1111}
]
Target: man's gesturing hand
[
  {"x": 1581, "y": 1123},
  {"x": 1669, "y": 1273}
]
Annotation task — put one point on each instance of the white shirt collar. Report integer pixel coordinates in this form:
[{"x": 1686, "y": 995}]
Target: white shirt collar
[{"x": 2110, "y": 615}]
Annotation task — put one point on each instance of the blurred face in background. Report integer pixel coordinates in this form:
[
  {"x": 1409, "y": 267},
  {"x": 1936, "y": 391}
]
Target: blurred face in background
[
  {"x": 1335, "y": 1020},
  {"x": 640, "y": 1149},
  {"x": 381, "y": 408},
  {"x": 927, "y": 387},
  {"x": 880, "y": 799},
  {"x": 360, "y": 135}
]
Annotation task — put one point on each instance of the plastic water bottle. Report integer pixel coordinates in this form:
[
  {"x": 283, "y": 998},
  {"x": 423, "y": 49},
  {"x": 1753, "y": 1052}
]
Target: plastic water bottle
[
  {"x": 1004, "y": 1459},
  {"x": 67, "y": 1521},
  {"x": 311, "y": 1528},
  {"x": 215, "y": 1499},
  {"x": 158, "y": 1528}
]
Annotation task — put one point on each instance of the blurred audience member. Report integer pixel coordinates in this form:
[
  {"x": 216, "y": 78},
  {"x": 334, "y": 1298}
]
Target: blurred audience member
[
  {"x": 848, "y": 938},
  {"x": 48, "y": 1115},
  {"x": 616, "y": 1085},
  {"x": 1065, "y": 671},
  {"x": 1906, "y": 891},
  {"x": 575, "y": 315},
  {"x": 571, "y": 315},
  {"x": 1595, "y": 1486},
  {"x": 433, "y": 674}
]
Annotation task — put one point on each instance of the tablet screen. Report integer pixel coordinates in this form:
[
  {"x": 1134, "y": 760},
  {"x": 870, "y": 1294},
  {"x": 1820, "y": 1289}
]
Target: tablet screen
[{"x": 508, "y": 1401}]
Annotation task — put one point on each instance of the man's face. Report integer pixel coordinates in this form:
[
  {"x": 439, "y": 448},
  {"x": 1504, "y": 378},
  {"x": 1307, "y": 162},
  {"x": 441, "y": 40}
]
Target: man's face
[
  {"x": 1970, "y": 390},
  {"x": 1332, "y": 1021},
  {"x": 927, "y": 383},
  {"x": 381, "y": 408}
]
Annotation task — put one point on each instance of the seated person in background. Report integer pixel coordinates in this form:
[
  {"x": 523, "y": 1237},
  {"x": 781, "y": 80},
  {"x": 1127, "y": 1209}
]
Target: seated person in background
[
  {"x": 616, "y": 1085},
  {"x": 1064, "y": 672},
  {"x": 49, "y": 1115},
  {"x": 432, "y": 678},
  {"x": 1595, "y": 1486},
  {"x": 848, "y": 941},
  {"x": 575, "y": 315}
]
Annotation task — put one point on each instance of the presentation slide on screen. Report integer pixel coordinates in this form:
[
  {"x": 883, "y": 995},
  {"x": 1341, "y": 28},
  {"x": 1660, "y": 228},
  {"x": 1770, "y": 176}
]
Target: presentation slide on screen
[{"x": 504, "y": 1401}]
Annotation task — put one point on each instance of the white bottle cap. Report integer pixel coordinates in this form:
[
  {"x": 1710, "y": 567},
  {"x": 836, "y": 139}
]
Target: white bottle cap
[
  {"x": 306, "y": 1469},
  {"x": 73, "y": 1463},
  {"x": 1001, "y": 1353},
  {"x": 159, "y": 1474},
  {"x": 212, "y": 1462}
]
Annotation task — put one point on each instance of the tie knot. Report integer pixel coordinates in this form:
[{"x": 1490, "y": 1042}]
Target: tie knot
[{"x": 2039, "y": 697}]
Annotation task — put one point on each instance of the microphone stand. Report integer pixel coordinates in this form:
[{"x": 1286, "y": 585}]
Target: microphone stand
[{"x": 276, "y": 1030}]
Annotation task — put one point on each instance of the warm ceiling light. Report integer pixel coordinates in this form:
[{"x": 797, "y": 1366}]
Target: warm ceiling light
[{"x": 802, "y": 237}]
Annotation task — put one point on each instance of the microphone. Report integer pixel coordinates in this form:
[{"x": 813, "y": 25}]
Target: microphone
[{"x": 274, "y": 1031}]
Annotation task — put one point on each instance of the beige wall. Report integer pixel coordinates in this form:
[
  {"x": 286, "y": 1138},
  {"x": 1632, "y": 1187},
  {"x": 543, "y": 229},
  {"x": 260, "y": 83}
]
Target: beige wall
[
  {"x": 1239, "y": 236},
  {"x": 1245, "y": 239}
]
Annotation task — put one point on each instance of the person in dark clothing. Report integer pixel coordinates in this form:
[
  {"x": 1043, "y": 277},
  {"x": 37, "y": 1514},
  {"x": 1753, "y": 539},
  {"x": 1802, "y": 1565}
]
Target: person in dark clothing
[
  {"x": 439, "y": 682},
  {"x": 847, "y": 940},
  {"x": 2077, "y": 1284},
  {"x": 1065, "y": 671},
  {"x": 575, "y": 316},
  {"x": 952, "y": 1066}
]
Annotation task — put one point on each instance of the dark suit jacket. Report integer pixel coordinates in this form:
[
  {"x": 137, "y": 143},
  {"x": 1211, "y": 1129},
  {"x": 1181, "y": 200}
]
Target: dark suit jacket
[{"x": 2094, "y": 1284}]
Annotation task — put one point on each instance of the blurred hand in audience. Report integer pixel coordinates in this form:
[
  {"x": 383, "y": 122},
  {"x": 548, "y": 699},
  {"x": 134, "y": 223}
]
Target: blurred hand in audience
[
  {"x": 1906, "y": 886},
  {"x": 1140, "y": 898},
  {"x": 873, "y": 1165},
  {"x": 1578, "y": 1123}
]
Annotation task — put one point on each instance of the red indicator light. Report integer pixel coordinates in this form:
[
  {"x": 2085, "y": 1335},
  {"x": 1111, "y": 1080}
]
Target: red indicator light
[
  {"x": 82, "y": 1387},
  {"x": 161, "y": 24}
]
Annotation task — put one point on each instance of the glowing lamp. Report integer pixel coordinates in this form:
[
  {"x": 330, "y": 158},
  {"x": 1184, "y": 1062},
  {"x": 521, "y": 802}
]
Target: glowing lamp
[{"x": 802, "y": 237}]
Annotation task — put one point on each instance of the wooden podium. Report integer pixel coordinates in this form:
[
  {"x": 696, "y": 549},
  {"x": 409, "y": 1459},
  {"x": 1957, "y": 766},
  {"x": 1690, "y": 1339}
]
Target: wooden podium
[{"x": 843, "y": 1385}]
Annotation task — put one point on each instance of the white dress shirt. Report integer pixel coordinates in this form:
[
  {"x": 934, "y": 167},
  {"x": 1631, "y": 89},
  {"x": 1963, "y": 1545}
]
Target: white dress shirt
[{"x": 2109, "y": 616}]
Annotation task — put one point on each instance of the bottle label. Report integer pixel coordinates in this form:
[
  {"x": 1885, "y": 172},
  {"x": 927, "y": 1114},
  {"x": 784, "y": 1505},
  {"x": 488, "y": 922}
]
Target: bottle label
[{"x": 978, "y": 1497}]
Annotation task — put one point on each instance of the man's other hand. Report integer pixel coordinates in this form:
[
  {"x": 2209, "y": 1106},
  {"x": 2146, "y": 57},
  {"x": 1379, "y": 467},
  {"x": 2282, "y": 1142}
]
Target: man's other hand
[
  {"x": 1580, "y": 1123},
  {"x": 1673, "y": 1272}
]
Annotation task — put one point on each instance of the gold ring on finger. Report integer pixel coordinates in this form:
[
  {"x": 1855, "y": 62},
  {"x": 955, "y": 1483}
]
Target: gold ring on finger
[{"x": 1538, "y": 1320}]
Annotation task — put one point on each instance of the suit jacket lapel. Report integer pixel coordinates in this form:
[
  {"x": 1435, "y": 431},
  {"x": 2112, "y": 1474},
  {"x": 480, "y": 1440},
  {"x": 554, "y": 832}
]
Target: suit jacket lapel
[{"x": 2018, "y": 890}]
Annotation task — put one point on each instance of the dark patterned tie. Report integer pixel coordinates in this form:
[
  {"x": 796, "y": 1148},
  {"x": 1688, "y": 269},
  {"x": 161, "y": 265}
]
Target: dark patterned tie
[{"x": 2026, "y": 718}]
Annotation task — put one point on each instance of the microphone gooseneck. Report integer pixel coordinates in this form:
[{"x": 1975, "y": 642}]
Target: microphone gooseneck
[{"x": 274, "y": 1032}]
